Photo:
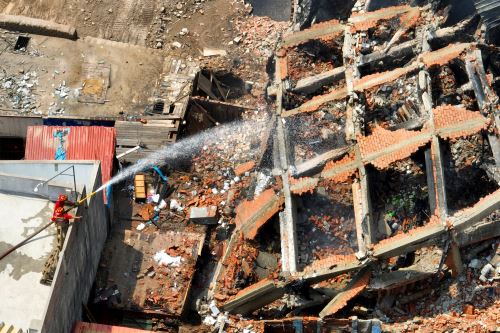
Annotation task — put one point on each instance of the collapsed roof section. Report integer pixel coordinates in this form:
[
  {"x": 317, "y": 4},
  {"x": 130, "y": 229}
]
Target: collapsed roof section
[{"x": 370, "y": 114}]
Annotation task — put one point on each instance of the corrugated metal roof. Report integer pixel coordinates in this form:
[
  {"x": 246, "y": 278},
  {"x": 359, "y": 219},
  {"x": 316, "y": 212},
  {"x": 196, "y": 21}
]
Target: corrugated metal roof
[
  {"x": 489, "y": 11},
  {"x": 81, "y": 143},
  {"x": 81, "y": 327}
]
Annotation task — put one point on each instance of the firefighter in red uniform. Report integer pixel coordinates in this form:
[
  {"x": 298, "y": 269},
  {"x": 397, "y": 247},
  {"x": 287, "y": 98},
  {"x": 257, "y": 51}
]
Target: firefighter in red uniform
[
  {"x": 61, "y": 218},
  {"x": 63, "y": 201}
]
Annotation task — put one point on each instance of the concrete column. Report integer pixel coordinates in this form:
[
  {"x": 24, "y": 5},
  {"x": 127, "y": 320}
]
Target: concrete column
[
  {"x": 435, "y": 180},
  {"x": 287, "y": 217},
  {"x": 362, "y": 212}
]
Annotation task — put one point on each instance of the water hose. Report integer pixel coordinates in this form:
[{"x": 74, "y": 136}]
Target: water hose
[
  {"x": 79, "y": 202},
  {"x": 12, "y": 249}
]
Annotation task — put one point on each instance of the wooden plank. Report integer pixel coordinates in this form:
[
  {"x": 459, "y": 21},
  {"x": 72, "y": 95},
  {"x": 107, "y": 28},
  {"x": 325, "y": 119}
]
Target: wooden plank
[
  {"x": 140, "y": 186},
  {"x": 205, "y": 85}
]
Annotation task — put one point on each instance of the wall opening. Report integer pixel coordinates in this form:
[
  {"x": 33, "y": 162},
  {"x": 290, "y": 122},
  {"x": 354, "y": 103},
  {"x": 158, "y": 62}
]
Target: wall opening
[
  {"x": 22, "y": 43},
  {"x": 12, "y": 148}
]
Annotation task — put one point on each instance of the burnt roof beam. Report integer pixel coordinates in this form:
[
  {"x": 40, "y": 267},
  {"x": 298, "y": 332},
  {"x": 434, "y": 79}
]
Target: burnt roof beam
[{"x": 313, "y": 83}]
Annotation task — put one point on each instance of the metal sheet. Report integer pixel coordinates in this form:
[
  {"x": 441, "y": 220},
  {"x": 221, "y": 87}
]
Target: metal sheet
[{"x": 81, "y": 143}]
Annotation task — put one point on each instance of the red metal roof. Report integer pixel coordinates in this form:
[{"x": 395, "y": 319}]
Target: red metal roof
[
  {"x": 81, "y": 327},
  {"x": 81, "y": 143}
]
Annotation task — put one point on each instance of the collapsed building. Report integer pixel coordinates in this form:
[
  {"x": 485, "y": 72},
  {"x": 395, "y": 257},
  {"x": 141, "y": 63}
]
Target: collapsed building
[
  {"x": 360, "y": 194},
  {"x": 373, "y": 119}
]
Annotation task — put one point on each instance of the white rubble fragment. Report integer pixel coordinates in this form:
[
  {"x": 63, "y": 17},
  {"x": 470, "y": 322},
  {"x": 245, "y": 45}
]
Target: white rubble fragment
[
  {"x": 209, "y": 321},
  {"x": 215, "y": 310},
  {"x": 174, "y": 205},
  {"x": 164, "y": 259}
]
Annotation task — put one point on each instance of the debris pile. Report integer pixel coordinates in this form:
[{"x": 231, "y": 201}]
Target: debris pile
[
  {"x": 356, "y": 190},
  {"x": 17, "y": 92}
]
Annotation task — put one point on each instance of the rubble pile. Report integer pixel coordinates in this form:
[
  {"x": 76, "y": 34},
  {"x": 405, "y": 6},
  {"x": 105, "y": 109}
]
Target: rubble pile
[
  {"x": 469, "y": 303},
  {"x": 391, "y": 104},
  {"x": 372, "y": 210},
  {"x": 258, "y": 36},
  {"x": 357, "y": 189},
  {"x": 313, "y": 134},
  {"x": 314, "y": 57},
  {"x": 17, "y": 92},
  {"x": 222, "y": 173},
  {"x": 239, "y": 271},
  {"x": 402, "y": 196},
  {"x": 169, "y": 13}
]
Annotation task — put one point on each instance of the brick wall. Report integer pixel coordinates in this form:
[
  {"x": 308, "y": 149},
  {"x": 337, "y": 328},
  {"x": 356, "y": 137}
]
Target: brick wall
[{"x": 77, "y": 267}]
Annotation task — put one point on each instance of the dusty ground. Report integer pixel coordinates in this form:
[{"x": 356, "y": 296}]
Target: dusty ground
[
  {"x": 180, "y": 28},
  {"x": 52, "y": 62}
]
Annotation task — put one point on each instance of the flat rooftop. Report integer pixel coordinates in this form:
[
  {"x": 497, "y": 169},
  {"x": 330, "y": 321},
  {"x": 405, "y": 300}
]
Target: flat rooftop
[{"x": 22, "y": 295}]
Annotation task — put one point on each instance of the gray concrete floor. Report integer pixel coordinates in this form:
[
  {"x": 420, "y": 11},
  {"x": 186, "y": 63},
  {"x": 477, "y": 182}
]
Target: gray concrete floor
[{"x": 22, "y": 297}]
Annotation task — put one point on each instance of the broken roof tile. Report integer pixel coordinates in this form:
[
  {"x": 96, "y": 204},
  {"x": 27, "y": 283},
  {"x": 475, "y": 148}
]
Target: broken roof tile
[
  {"x": 303, "y": 185},
  {"x": 367, "y": 20},
  {"x": 355, "y": 287},
  {"x": 341, "y": 170},
  {"x": 444, "y": 55},
  {"x": 384, "y": 147},
  {"x": 324, "y": 30},
  {"x": 251, "y": 215},
  {"x": 453, "y": 121},
  {"x": 244, "y": 167}
]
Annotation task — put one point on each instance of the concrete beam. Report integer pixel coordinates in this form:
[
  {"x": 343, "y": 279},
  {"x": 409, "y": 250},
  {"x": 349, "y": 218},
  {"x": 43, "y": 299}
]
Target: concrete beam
[
  {"x": 329, "y": 29},
  {"x": 431, "y": 184},
  {"x": 36, "y": 26},
  {"x": 287, "y": 217},
  {"x": 454, "y": 260},
  {"x": 327, "y": 271},
  {"x": 469, "y": 216},
  {"x": 288, "y": 231},
  {"x": 415, "y": 239},
  {"x": 476, "y": 84},
  {"x": 426, "y": 265},
  {"x": 355, "y": 287},
  {"x": 316, "y": 102},
  {"x": 254, "y": 297},
  {"x": 220, "y": 266},
  {"x": 494, "y": 142},
  {"x": 315, "y": 164},
  {"x": 310, "y": 84},
  {"x": 483, "y": 230},
  {"x": 396, "y": 52},
  {"x": 461, "y": 32},
  {"x": 485, "y": 83},
  {"x": 252, "y": 215}
]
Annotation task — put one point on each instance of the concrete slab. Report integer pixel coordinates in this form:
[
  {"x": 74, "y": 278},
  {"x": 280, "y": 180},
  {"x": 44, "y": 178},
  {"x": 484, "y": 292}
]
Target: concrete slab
[
  {"x": 204, "y": 215},
  {"x": 22, "y": 296}
]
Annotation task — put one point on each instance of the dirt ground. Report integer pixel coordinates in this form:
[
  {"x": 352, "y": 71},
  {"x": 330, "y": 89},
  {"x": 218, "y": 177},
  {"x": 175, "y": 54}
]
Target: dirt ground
[{"x": 180, "y": 28}]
